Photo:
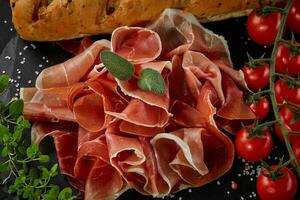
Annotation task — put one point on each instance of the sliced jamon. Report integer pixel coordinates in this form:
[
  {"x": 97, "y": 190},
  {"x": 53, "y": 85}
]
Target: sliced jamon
[
  {"x": 66, "y": 151},
  {"x": 134, "y": 159},
  {"x": 131, "y": 89},
  {"x": 135, "y": 129},
  {"x": 47, "y": 104},
  {"x": 40, "y": 130},
  {"x": 89, "y": 112},
  {"x": 136, "y": 44},
  {"x": 180, "y": 31},
  {"x": 207, "y": 103},
  {"x": 135, "y": 113},
  {"x": 197, "y": 155},
  {"x": 93, "y": 169},
  {"x": 73, "y": 70},
  {"x": 185, "y": 115},
  {"x": 178, "y": 84},
  {"x": 235, "y": 106},
  {"x": 197, "y": 66}
]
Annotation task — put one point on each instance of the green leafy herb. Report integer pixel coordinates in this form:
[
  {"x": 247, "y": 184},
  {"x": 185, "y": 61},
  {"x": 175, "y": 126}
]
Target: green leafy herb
[
  {"x": 117, "y": 66},
  {"x": 150, "y": 80},
  {"x": 22, "y": 163},
  {"x": 3, "y": 82}
]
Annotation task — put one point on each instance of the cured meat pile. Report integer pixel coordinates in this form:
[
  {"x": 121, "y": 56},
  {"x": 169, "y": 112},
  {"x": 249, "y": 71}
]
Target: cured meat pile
[{"x": 111, "y": 136}]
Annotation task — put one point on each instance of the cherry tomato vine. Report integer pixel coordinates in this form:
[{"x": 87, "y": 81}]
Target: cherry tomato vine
[{"x": 271, "y": 90}]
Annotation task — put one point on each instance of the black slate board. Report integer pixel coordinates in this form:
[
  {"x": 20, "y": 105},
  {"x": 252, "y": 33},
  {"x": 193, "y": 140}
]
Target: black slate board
[{"x": 23, "y": 61}]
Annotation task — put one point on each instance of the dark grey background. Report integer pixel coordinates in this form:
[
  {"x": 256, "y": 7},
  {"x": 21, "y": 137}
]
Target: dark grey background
[{"x": 23, "y": 61}]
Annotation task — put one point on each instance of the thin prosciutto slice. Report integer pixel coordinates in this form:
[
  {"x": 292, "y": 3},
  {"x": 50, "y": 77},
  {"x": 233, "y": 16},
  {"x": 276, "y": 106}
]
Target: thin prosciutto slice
[
  {"x": 137, "y": 45},
  {"x": 111, "y": 136},
  {"x": 73, "y": 70}
]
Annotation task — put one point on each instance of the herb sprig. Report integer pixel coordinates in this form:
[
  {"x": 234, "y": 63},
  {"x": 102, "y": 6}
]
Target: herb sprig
[
  {"x": 22, "y": 165},
  {"x": 122, "y": 69}
]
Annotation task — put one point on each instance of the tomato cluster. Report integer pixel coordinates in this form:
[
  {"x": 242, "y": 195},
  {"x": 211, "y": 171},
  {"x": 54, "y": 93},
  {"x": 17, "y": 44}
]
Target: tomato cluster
[
  {"x": 277, "y": 181},
  {"x": 263, "y": 25}
]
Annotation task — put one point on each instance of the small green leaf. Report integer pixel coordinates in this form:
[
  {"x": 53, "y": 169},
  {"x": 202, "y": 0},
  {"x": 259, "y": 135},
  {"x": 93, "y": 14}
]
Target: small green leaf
[
  {"x": 4, "y": 152},
  {"x": 28, "y": 191},
  {"x": 53, "y": 170},
  {"x": 117, "y": 66},
  {"x": 17, "y": 135},
  {"x": 151, "y": 80},
  {"x": 16, "y": 108},
  {"x": 65, "y": 194},
  {"x": 4, "y": 81},
  {"x": 32, "y": 150},
  {"x": 44, "y": 158},
  {"x": 4, "y": 167},
  {"x": 52, "y": 193},
  {"x": 3, "y": 131},
  {"x": 45, "y": 172}
]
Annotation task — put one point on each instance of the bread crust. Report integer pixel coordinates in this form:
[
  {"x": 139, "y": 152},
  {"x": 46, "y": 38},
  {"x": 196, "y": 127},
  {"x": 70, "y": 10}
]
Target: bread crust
[{"x": 52, "y": 20}]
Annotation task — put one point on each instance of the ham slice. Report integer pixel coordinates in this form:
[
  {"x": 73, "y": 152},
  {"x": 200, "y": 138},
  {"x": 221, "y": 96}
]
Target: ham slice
[
  {"x": 185, "y": 153},
  {"x": 73, "y": 70},
  {"x": 47, "y": 104},
  {"x": 199, "y": 67},
  {"x": 111, "y": 136},
  {"x": 234, "y": 107},
  {"x": 180, "y": 31},
  {"x": 136, "y": 44}
]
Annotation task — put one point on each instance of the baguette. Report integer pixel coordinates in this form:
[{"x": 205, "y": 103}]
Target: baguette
[{"x": 53, "y": 20}]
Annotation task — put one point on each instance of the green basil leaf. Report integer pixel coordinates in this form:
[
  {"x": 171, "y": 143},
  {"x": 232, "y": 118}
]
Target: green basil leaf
[
  {"x": 119, "y": 67},
  {"x": 32, "y": 150},
  {"x": 16, "y": 108},
  {"x": 151, "y": 80},
  {"x": 4, "y": 81},
  {"x": 44, "y": 158},
  {"x": 65, "y": 194}
]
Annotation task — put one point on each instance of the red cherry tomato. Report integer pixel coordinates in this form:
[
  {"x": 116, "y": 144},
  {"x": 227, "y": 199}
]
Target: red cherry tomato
[
  {"x": 284, "y": 92},
  {"x": 282, "y": 59},
  {"x": 294, "y": 65},
  {"x": 284, "y": 187},
  {"x": 278, "y": 91},
  {"x": 248, "y": 148},
  {"x": 286, "y": 62},
  {"x": 286, "y": 116},
  {"x": 263, "y": 29},
  {"x": 296, "y": 148},
  {"x": 261, "y": 108},
  {"x": 257, "y": 77},
  {"x": 293, "y": 19}
]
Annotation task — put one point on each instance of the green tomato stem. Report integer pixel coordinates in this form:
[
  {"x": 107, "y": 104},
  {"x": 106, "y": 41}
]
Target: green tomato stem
[{"x": 273, "y": 76}]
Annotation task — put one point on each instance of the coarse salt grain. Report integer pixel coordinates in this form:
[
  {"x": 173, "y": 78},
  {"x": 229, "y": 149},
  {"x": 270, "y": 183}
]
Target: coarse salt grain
[
  {"x": 33, "y": 46},
  {"x": 7, "y": 57},
  {"x": 26, "y": 47}
]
